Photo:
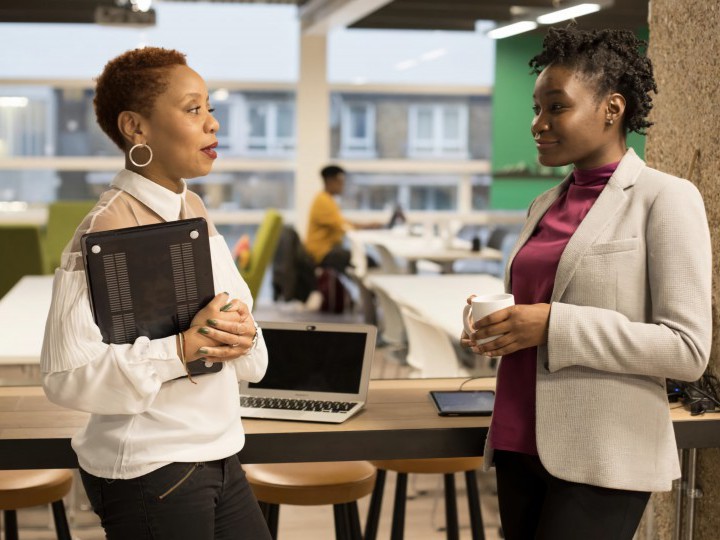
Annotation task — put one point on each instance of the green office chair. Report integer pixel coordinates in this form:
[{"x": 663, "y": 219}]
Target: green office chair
[
  {"x": 21, "y": 254},
  {"x": 262, "y": 251},
  {"x": 63, "y": 218}
]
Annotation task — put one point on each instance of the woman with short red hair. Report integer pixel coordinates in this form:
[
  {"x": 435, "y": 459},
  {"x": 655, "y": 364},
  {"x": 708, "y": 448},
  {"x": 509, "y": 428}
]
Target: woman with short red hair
[{"x": 158, "y": 457}]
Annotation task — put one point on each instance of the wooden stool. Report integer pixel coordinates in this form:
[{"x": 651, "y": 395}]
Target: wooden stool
[
  {"x": 445, "y": 466},
  {"x": 25, "y": 488},
  {"x": 313, "y": 484}
]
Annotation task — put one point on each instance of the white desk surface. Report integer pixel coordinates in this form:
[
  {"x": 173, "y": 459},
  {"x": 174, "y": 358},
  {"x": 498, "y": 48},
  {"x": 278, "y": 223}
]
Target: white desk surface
[
  {"x": 23, "y": 312},
  {"x": 432, "y": 248},
  {"x": 439, "y": 298}
]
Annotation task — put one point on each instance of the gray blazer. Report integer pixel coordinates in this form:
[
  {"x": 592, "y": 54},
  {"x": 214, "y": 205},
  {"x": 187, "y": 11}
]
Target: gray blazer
[{"x": 631, "y": 305}]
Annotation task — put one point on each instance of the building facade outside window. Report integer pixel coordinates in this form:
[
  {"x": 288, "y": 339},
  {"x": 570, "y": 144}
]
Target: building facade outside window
[
  {"x": 358, "y": 130},
  {"x": 438, "y": 131}
]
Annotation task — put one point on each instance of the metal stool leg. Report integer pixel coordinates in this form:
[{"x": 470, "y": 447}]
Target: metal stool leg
[
  {"x": 373, "y": 517},
  {"x": 272, "y": 517},
  {"x": 341, "y": 522},
  {"x": 477, "y": 527},
  {"x": 354, "y": 521},
  {"x": 451, "y": 515},
  {"x": 60, "y": 518},
  {"x": 398, "y": 521},
  {"x": 11, "y": 526}
]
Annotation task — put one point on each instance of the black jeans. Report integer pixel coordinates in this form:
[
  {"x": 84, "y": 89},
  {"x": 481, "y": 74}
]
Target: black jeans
[
  {"x": 193, "y": 501},
  {"x": 536, "y": 505}
]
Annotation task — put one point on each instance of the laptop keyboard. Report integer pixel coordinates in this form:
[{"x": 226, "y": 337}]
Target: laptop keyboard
[{"x": 297, "y": 404}]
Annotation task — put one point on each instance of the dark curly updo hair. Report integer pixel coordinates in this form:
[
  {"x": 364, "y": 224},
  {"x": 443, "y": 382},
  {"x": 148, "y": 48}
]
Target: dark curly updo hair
[
  {"x": 132, "y": 82},
  {"x": 613, "y": 59}
]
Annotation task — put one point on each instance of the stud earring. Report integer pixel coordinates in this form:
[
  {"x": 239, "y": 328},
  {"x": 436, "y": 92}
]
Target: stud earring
[{"x": 609, "y": 121}]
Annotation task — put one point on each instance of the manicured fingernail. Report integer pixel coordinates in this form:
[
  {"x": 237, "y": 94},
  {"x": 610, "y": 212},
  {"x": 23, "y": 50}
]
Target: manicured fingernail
[
  {"x": 226, "y": 293},
  {"x": 202, "y": 350},
  {"x": 212, "y": 322},
  {"x": 204, "y": 331},
  {"x": 226, "y": 306}
]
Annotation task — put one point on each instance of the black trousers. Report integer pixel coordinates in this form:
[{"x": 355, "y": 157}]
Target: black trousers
[
  {"x": 181, "y": 501},
  {"x": 534, "y": 505}
]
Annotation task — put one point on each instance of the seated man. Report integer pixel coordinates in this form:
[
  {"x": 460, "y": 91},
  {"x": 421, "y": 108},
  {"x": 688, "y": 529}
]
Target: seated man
[{"x": 327, "y": 226}]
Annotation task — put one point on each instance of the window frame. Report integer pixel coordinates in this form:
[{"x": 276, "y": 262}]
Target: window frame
[
  {"x": 348, "y": 143},
  {"x": 438, "y": 145}
]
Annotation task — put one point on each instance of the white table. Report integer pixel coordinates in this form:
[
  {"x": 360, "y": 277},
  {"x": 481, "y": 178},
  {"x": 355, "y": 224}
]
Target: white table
[
  {"x": 438, "y": 298},
  {"x": 23, "y": 312},
  {"x": 433, "y": 248}
]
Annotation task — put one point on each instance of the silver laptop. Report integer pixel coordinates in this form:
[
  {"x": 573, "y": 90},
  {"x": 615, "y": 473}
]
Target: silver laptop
[{"x": 317, "y": 372}]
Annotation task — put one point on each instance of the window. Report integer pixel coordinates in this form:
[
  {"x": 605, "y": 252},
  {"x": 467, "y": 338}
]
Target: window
[
  {"x": 438, "y": 131},
  {"x": 358, "y": 130},
  {"x": 271, "y": 127},
  {"x": 27, "y": 121}
]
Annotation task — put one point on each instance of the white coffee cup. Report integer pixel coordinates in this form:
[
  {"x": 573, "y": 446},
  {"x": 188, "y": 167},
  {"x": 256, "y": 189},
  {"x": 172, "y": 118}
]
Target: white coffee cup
[{"x": 482, "y": 306}]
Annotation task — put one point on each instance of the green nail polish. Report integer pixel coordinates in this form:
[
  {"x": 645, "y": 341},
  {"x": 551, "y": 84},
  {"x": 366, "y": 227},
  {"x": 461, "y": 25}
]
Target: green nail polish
[
  {"x": 204, "y": 331},
  {"x": 212, "y": 322},
  {"x": 226, "y": 306},
  {"x": 202, "y": 350}
]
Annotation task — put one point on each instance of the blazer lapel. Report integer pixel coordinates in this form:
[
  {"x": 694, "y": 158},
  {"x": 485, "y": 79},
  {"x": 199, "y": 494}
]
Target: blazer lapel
[{"x": 605, "y": 209}]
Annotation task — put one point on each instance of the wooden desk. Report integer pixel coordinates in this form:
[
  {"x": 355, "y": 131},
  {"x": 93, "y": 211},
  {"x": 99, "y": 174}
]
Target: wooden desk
[{"x": 398, "y": 422}]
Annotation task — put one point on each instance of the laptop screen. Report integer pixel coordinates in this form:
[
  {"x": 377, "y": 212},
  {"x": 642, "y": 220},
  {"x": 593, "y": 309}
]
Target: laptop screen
[{"x": 313, "y": 360}]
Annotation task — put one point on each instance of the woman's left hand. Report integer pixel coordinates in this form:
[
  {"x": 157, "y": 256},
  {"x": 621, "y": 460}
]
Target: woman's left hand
[
  {"x": 519, "y": 327},
  {"x": 233, "y": 328}
]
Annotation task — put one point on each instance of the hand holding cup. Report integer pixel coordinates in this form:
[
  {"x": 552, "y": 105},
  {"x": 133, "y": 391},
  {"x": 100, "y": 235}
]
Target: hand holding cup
[{"x": 482, "y": 306}]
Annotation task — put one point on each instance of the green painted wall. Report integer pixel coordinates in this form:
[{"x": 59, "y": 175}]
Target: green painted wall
[{"x": 512, "y": 145}]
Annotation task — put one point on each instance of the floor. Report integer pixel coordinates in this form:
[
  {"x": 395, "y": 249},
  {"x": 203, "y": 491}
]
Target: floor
[{"x": 425, "y": 506}]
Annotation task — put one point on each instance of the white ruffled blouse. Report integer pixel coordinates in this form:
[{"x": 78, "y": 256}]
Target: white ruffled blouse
[{"x": 142, "y": 415}]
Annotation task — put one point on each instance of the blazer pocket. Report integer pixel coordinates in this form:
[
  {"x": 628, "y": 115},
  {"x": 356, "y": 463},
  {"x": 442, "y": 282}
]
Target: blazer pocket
[{"x": 616, "y": 246}]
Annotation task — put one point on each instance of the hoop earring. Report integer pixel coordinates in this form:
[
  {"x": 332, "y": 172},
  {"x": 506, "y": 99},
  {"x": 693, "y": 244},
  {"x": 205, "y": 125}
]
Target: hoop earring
[{"x": 135, "y": 162}]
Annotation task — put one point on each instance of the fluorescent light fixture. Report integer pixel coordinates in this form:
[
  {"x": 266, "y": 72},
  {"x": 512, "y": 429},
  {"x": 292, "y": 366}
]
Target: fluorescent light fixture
[
  {"x": 568, "y": 13},
  {"x": 13, "y": 102},
  {"x": 512, "y": 29},
  {"x": 221, "y": 94},
  {"x": 434, "y": 54},
  {"x": 406, "y": 64}
]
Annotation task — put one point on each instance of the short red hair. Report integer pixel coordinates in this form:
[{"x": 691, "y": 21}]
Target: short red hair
[{"x": 132, "y": 82}]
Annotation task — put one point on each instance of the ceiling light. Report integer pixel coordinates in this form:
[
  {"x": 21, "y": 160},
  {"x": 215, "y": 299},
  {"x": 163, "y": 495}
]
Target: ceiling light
[
  {"x": 568, "y": 13},
  {"x": 512, "y": 29},
  {"x": 434, "y": 54},
  {"x": 13, "y": 102},
  {"x": 406, "y": 64},
  {"x": 221, "y": 94}
]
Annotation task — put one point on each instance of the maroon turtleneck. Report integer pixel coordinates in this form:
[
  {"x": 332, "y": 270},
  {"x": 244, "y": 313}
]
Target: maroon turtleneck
[{"x": 533, "y": 278}]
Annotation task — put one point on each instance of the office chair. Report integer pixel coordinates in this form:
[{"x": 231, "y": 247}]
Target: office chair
[
  {"x": 21, "y": 254},
  {"x": 62, "y": 221},
  {"x": 262, "y": 251}
]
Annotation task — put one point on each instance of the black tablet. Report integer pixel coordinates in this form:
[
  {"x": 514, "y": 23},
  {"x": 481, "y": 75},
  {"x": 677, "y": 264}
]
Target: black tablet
[{"x": 463, "y": 402}]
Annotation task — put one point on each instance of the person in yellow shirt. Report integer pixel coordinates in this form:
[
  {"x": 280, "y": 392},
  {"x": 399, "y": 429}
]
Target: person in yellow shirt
[{"x": 327, "y": 226}]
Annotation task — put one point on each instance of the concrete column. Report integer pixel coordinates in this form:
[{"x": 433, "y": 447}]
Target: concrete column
[
  {"x": 684, "y": 45},
  {"x": 313, "y": 125}
]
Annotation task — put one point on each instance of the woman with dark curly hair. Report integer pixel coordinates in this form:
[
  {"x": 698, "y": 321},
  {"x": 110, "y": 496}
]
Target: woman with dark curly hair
[
  {"x": 611, "y": 277},
  {"x": 158, "y": 457}
]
